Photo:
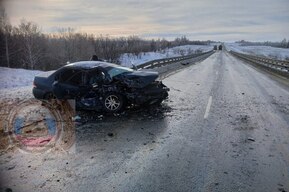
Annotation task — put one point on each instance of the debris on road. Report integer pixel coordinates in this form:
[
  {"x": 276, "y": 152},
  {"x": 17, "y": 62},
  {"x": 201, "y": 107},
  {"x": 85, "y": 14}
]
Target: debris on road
[{"x": 251, "y": 139}]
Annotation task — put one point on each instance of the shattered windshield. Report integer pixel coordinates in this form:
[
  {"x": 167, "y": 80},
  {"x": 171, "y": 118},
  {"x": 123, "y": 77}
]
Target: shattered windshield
[{"x": 118, "y": 70}]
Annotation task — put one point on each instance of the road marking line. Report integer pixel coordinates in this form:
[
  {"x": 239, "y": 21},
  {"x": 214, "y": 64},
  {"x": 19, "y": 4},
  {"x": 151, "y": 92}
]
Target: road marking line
[
  {"x": 208, "y": 108},
  {"x": 217, "y": 72}
]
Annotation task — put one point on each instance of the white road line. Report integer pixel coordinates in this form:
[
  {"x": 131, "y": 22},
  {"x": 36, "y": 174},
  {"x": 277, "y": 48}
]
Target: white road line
[
  {"x": 217, "y": 72},
  {"x": 208, "y": 108}
]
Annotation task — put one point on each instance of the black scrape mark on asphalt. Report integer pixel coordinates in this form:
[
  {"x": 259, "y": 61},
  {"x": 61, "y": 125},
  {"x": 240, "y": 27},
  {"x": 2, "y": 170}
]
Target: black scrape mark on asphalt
[
  {"x": 282, "y": 189},
  {"x": 8, "y": 190},
  {"x": 137, "y": 113},
  {"x": 243, "y": 123}
]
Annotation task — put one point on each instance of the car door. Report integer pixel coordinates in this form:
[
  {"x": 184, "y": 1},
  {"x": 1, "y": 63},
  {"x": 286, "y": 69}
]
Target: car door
[
  {"x": 95, "y": 78},
  {"x": 68, "y": 84}
]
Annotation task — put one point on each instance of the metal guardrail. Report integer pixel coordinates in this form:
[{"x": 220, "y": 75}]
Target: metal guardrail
[
  {"x": 165, "y": 61},
  {"x": 280, "y": 65}
]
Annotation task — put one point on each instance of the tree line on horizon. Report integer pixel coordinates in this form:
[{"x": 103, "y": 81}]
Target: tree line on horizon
[
  {"x": 26, "y": 46},
  {"x": 282, "y": 44}
]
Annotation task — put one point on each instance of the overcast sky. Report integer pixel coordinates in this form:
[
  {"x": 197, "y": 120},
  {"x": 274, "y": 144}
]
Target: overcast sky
[{"x": 224, "y": 20}]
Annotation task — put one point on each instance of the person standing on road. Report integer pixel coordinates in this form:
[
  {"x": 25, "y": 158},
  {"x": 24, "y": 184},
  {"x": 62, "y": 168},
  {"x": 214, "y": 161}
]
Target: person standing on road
[{"x": 95, "y": 58}]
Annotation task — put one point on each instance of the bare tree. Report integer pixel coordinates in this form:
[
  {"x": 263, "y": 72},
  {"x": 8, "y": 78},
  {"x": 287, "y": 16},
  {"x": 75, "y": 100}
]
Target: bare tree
[
  {"x": 6, "y": 28},
  {"x": 26, "y": 46},
  {"x": 284, "y": 43},
  {"x": 30, "y": 34}
]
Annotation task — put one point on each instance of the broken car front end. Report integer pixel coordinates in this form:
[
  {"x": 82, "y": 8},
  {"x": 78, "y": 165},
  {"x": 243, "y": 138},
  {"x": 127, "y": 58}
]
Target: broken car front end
[{"x": 153, "y": 93}]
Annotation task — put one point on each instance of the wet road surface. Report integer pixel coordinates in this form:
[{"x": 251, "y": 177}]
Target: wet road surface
[{"x": 225, "y": 127}]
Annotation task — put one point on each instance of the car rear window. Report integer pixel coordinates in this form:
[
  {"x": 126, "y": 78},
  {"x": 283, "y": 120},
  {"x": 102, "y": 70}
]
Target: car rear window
[{"x": 71, "y": 76}]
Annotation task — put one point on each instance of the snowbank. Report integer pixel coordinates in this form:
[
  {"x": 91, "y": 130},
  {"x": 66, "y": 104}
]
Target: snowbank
[
  {"x": 265, "y": 51},
  {"x": 128, "y": 59},
  {"x": 12, "y": 78}
]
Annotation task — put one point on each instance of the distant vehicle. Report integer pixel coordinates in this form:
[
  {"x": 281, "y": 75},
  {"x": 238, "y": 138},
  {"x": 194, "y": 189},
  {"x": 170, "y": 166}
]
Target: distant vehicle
[
  {"x": 220, "y": 47},
  {"x": 215, "y": 47},
  {"x": 100, "y": 85}
]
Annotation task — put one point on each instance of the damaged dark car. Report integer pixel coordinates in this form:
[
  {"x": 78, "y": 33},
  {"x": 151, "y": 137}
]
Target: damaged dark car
[{"x": 97, "y": 85}]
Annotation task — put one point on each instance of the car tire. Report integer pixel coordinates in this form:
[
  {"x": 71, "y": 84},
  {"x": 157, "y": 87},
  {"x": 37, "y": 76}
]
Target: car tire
[{"x": 113, "y": 102}]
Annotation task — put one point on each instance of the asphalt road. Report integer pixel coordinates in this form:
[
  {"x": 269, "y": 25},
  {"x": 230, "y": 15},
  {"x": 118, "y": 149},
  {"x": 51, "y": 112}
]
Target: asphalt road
[{"x": 225, "y": 127}]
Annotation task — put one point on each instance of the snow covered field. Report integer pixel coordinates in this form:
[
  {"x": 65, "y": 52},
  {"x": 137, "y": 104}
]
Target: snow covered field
[
  {"x": 13, "y": 78},
  {"x": 128, "y": 59},
  {"x": 265, "y": 51},
  {"x": 16, "y": 83}
]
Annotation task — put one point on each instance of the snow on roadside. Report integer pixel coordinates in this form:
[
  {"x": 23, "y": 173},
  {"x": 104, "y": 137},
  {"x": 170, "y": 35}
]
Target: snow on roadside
[
  {"x": 128, "y": 59},
  {"x": 19, "y": 93},
  {"x": 13, "y": 78},
  {"x": 265, "y": 51}
]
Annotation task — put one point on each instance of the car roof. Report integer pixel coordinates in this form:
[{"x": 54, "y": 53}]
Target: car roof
[{"x": 90, "y": 64}]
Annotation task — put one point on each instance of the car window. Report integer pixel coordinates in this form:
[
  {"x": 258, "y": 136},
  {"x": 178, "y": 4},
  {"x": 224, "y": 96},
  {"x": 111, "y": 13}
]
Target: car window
[
  {"x": 118, "y": 70},
  {"x": 66, "y": 74},
  {"x": 71, "y": 76},
  {"x": 76, "y": 79},
  {"x": 95, "y": 77}
]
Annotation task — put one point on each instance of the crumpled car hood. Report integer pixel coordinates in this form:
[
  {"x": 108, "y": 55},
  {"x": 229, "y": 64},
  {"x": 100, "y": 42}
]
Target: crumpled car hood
[{"x": 139, "y": 79}]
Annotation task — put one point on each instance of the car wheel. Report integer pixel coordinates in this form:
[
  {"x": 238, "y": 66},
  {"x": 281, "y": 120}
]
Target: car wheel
[{"x": 113, "y": 102}]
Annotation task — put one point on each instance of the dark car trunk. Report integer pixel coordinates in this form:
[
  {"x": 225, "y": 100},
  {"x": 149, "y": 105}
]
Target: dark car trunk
[{"x": 42, "y": 83}]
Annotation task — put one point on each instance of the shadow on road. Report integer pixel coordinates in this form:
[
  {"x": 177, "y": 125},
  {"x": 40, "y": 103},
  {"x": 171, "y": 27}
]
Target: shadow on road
[{"x": 129, "y": 130}]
